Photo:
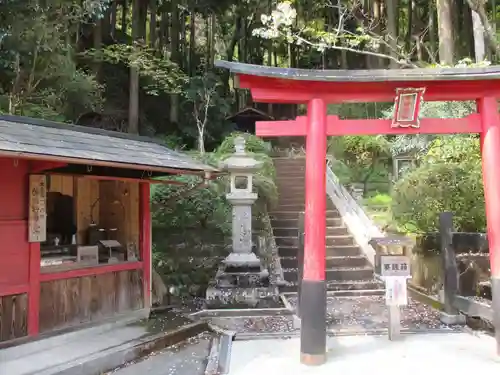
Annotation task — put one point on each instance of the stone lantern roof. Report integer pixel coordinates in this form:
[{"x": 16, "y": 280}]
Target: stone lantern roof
[{"x": 240, "y": 161}]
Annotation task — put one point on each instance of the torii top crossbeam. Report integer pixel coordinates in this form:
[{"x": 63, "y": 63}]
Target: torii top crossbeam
[{"x": 287, "y": 85}]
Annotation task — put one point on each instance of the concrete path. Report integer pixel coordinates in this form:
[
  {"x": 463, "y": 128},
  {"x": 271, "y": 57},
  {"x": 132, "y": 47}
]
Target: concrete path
[
  {"x": 87, "y": 350},
  {"x": 414, "y": 354},
  {"x": 187, "y": 359}
]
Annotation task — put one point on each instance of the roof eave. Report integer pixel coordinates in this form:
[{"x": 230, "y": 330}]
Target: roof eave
[
  {"x": 375, "y": 75},
  {"x": 203, "y": 169}
]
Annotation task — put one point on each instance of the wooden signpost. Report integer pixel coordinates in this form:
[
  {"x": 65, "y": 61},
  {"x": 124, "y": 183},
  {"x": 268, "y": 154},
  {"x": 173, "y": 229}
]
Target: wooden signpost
[
  {"x": 37, "y": 228},
  {"x": 395, "y": 270}
]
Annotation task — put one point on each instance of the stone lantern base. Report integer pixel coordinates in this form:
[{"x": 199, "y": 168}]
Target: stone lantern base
[
  {"x": 241, "y": 282},
  {"x": 244, "y": 261},
  {"x": 235, "y": 287}
]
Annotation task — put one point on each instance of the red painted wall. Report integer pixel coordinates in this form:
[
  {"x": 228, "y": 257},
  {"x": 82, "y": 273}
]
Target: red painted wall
[{"x": 14, "y": 246}]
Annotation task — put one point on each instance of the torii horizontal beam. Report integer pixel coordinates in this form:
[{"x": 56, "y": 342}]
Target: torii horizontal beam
[{"x": 337, "y": 127}]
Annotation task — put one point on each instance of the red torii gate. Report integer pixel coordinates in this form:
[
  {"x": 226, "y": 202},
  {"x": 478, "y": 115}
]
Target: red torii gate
[{"x": 406, "y": 88}]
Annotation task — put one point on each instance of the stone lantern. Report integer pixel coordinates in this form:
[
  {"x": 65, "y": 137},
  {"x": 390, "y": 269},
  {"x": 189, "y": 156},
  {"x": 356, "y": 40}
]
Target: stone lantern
[
  {"x": 241, "y": 280},
  {"x": 241, "y": 167}
]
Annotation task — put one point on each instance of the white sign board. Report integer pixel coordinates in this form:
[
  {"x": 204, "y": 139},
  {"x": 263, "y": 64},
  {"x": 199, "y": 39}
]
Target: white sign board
[
  {"x": 394, "y": 265},
  {"x": 37, "y": 226},
  {"x": 395, "y": 291}
]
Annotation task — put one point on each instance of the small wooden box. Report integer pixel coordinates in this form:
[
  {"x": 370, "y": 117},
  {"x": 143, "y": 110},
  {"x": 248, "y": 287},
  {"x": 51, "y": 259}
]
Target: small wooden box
[{"x": 88, "y": 255}]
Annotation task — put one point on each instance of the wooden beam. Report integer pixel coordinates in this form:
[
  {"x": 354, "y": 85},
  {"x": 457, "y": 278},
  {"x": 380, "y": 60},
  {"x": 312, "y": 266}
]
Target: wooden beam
[
  {"x": 337, "y": 127},
  {"x": 10, "y": 290},
  {"x": 71, "y": 273},
  {"x": 145, "y": 247},
  {"x": 123, "y": 179},
  {"x": 40, "y": 166}
]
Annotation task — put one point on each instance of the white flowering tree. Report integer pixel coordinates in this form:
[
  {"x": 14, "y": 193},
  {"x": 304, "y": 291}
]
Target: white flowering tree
[{"x": 283, "y": 24}]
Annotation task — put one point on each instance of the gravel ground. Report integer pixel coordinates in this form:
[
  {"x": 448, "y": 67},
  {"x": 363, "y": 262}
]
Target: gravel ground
[
  {"x": 188, "y": 358},
  {"x": 368, "y": 313},
  {"x": 256, "y": 325}
]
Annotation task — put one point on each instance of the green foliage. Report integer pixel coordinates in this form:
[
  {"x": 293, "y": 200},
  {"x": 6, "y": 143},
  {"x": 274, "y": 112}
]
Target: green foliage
[
  {"x": 448, "y": 179},
  {"x": 39, "y": 76},
  {"x": 158, "y": 75},
  {"x": 378, "y": 199},
  {"x": 191, "y": 227},
  {"x": 204, "y": 207},
  {"x": 361, "y": 155}
]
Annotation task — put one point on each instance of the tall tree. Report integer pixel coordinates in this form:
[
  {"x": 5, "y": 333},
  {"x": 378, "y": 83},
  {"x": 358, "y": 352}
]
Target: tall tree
[{"x": 445, "y": 28}]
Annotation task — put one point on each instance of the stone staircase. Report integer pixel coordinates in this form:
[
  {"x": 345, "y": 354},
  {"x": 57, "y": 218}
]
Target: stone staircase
[{"x": 348, "y": 272}]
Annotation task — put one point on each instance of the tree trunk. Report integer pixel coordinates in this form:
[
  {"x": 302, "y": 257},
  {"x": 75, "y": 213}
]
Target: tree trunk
[
  {"x": 478, "y": 31},
  {"x": 213, "y": 33},
  {"x": 124, "y": 16},
  {"x": 192, "y": 43},
  {"x": 432, "y": 30},
  {"x": 445, "y": 31},
  {"x": 152, "y": 23},
  {"x": 377, "y": 21},
  {"x": 392, "y": 30},
  {"x": 176, "y": 56},
  {"x": 201, "y": 141},
  {"x": 409, "y": 39},
  {"x": 133, "y": 106},
  {"x": 208, "y": 37},
  {"x": 183, "y": 46},
  {"x": 97, "y": 41},
  {"x": 478, "y": 6},
  {"x": 113, "y": 19}
]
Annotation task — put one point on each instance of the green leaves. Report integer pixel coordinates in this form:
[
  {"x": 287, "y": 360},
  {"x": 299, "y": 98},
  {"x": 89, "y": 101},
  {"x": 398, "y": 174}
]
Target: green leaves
[
  {"x": 362, "y": 155},
  {"x": 448, "y": 179},
  {"x": 40, "y": 77},
  {"x": 158, "y": 75}
]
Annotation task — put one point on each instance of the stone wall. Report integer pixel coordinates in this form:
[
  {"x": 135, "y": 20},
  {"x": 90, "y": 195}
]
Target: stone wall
[{"x": 472, "y": 259}]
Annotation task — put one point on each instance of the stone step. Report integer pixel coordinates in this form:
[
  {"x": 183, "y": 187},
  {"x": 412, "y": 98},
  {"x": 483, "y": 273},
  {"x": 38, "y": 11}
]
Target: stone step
[
  {"x": 344, "y": 240},
  {"x": 347, "y": 250},
  {"x": 331, "y": 251},
  {"x": 345, "y": 286},
  {"x": 292, "y": 232},
  {"x": 293, "y": 173},
  {"x": 331, "y": 261},
  {"x": 287, "y": 251},
  {"x": 356, "y": 293},
  {"x": 291, "y": 207},
  {"x": 289, "y": 223},
  {"x": 336, "y": 273},
  {"x": 289, "y": 188},
  {"x": 292, "y": 200},
  {"x": 298, "y": 207},
  {"x": 289, "y": 161},
  {"x": 291, "y": 215}
]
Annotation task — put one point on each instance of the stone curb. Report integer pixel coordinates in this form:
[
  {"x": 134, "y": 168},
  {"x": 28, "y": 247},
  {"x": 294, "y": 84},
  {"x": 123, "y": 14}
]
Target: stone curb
[
  {"x": 110, "y": 359},
  {"x": 375, "y": 332},
  {"x": 219, "y": 358},
  {"x": 239, "y": 313}
]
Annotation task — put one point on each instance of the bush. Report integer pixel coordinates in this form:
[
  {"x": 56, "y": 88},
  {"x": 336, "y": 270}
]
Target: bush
[
  {"x": 191, "y": 229},
  {"x": 365, "y": 159},
  {"x": 378, "y": 199},
  {"x": 449, "y": 179}
]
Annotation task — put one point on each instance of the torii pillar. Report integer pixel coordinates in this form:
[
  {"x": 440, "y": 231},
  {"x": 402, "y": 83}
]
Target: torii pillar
[{"x": 313, "y": 287}]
